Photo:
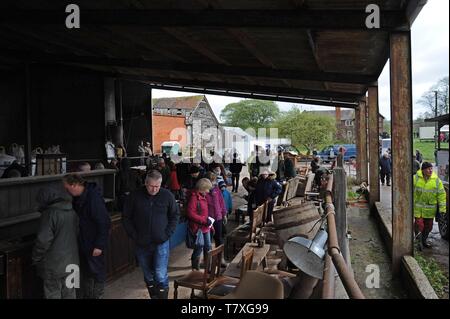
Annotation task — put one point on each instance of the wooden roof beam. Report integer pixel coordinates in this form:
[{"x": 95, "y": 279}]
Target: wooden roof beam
[
  {"x": 195, "y": 45},
  {"x": 280, "y": 98},
  {"x": 293, "y": 92},
  {"x": 313, "y": 45},
  {"x": 309, "y": 19},
  {"x": 196, "y": 68}
]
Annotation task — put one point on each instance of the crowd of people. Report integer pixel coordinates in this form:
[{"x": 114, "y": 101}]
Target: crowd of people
[{"x": 75, "y": 230}]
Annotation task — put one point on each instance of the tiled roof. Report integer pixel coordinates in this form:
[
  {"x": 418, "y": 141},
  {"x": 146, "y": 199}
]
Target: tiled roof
[{"x": 182, "y": 102}]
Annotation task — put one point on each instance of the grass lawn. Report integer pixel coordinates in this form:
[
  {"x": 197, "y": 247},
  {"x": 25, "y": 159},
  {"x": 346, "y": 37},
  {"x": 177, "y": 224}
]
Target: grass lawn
[{"x": 426, "y": 148}]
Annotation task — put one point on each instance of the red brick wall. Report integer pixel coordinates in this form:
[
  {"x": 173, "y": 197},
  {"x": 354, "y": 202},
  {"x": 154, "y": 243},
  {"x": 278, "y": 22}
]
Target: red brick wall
[{"x": 162, "y": 126}]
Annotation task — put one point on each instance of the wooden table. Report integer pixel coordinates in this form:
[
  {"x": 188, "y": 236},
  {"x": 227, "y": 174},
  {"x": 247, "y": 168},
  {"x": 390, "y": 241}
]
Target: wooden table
[{"x": 259, "y": 257}]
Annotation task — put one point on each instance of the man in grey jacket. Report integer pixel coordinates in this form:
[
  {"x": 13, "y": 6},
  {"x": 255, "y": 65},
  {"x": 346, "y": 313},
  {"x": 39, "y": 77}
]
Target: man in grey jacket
[{"x": 56, "y": 244}]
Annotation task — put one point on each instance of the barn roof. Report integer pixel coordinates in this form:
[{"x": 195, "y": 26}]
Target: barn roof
[
  {"x": 308, "y": 51},
  {"x": 182, "y": 102}
]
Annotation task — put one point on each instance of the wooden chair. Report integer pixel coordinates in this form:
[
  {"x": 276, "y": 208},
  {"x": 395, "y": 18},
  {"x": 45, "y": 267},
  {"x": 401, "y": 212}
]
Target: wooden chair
[
  {"x": 202, "y": 280},
  {"x": 239, "y": 237},
  {"x": 309, "y": 194},
  {"x": 258, "y": 285},
  {"x": 228, "y": 284}
]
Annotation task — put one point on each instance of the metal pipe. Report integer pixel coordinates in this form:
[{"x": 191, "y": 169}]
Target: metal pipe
[
  {"x": 328, "y": 279},
  {"x": 350, "y": 285}
]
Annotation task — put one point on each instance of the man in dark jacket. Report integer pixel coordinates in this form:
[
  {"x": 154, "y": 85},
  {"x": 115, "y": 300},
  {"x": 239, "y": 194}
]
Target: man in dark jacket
[
  {"x": 385, "y": 171},
  {"x": 94, "y": 227},
  {"x": 267, "y": 189},
  {"x": 150, "y": 217},
  {"x": 235, "y": 169},
  {"x": 315, "y": 164},
  {"x": 165, "y": 172},
  {"x": 56, "y": 245},
  {"x": 289, "y": 169}
]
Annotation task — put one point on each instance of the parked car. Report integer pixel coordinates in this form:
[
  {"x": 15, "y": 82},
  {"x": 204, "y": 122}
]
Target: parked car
[{"x": 329, "y": 153}]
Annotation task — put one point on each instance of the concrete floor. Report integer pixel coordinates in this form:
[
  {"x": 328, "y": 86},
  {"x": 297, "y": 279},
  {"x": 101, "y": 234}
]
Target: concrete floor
[{"x": 367, "y": 248}]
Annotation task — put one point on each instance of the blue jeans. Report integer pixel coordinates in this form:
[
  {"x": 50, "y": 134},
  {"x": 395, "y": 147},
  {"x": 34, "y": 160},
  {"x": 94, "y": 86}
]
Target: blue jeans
[
  {"x": 154, "y": 260},
  {"x": 205, "y": 248}
]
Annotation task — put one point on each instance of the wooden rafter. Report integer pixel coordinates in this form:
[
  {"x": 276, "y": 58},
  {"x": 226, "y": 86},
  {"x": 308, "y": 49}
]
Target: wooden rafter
[{"x": 315, "y": 19}]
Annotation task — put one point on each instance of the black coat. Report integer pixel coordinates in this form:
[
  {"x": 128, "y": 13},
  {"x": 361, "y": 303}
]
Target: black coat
[
  {"x": 289, "y": 169},
  {"x": 385, "y": 165},
  {"x": 95, "y": 221},
  {"x": 314, "y": 166},
  {"x": 94, "y": 228},
  {"x": 236, "y": 167},
  {"x": 150, "y": 219},
  {"x": 266, "y": 189}
]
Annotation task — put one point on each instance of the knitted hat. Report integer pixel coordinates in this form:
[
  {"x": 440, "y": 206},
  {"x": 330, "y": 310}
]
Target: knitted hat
[
  {"x": 222, "y": 184},
  {"x": 426, "y": 165}
]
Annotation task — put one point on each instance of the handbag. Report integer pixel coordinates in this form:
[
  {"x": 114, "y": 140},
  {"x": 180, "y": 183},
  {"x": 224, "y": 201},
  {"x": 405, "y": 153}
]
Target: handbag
[{"x": 194, "y": 240}]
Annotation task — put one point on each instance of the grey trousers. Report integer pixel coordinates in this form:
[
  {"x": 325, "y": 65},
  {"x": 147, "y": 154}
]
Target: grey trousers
[{"x": 55, "y": 288}]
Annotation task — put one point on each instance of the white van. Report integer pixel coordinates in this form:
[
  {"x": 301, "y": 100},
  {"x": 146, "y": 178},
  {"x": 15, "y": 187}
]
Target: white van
[{"x": 170, "y": 147}]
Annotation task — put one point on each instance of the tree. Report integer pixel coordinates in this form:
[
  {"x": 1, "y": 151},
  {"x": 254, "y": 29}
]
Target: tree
[
  {"x": 250, "y": 114},
  {"x": 429, "y": 102},
  {"x": 307, "y": 129},
  {"x": 386, "y": 128}
]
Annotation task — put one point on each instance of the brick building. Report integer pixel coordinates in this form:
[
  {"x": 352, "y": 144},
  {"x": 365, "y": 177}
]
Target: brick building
[
  {"x": 190, "y": 108},
  {"x": 163, "y": 125},
  {"x": 345, "y": 123}
]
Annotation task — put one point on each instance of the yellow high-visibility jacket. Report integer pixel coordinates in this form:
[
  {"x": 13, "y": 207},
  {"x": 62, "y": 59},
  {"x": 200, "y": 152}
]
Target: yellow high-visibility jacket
[{"x": 428, "y": 196}]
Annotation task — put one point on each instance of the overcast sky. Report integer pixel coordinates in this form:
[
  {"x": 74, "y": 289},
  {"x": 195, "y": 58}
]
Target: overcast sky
[{"x": 430, "y": 62}]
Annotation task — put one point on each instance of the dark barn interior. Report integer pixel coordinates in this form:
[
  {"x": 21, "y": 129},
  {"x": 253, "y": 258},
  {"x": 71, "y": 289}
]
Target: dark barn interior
[{"x": 53, "y": 79}]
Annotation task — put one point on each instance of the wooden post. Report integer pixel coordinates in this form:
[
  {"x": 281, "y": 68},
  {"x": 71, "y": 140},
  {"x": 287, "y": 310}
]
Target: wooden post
[
  {"x": 361, "y": 142},
  {"x": 402, "y": 179},
  {"x": 374, "y": 152},
  {"x": 340, "y": 197},
  {"x": 27, "y": 150},
  {"x": 119, "y": 139}
]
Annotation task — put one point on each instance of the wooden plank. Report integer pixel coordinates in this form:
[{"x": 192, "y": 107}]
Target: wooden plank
[
  {"x": 374, "y": 156},
  {"x": 14, "y": 201},
  {"x": 401, "y": 112},
  {"x": 4, "y": 202},
  {"x": 309, "y": 182},
  {"x": 340, "y": 198},
  {"x": 361, "y": 142}
]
